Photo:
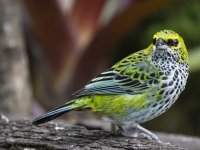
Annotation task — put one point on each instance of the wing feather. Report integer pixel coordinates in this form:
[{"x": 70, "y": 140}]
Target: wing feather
[{"x": 129, "y": 76}]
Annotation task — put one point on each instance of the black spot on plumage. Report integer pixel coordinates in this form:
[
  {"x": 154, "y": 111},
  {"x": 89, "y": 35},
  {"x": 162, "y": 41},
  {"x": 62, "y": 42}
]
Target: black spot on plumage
[
  {"x": 168, "y": 54},
  {"x": 161, "y": 92},
  {"x": 182, "y": 57},
  {"x": 141, "y": 69},
  {"x": 166, "y": 101},
  {"x": 172, "y": 91},
  {"x": 161, "y": 102},
  {"x": 152, "y": 75},
  {"x": 139, "y": 56},
  {"x": 136, "y": 75},
  {"x": 176, "y": 72},
  {"x": 151, "y": 81},
  {"x": 126, "y": 61},
  {"x": 173, "y": 58},
  {"x": 155, "y": 105},
  {"x": 142, "y": 77},
  {"x": 161, "y": 73},
  {"x": 167, "y": 93},
  {"x": 181, "y": 82},
  {"x": 164, "y": 85},
  {"x": 155, "y": 81},
  {"x": 170, "y": 83},
  {"x": 165, "y": 78},
  {"x": 121, "y": 65},
  {"x": 148, "y": 77},
  {"x": 174, "y": 97},
  {"x": 160, "y": 107},
  {"x": 181, "y": 77}
]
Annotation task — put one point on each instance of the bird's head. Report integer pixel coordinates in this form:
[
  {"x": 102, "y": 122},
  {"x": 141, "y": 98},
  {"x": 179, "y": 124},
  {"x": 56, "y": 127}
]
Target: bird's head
[{"x": 169, "y": 42}]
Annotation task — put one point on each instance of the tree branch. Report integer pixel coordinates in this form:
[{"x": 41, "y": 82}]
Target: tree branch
[{"x": 21, "y": 134}]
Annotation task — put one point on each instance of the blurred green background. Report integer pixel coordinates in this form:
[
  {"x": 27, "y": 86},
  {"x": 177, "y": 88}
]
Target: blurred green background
[{"x": 68, "y": 42}]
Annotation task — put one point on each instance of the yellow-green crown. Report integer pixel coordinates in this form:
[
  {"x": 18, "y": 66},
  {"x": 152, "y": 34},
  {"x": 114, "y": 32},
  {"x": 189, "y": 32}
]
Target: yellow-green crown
[{"x": 169, "y": 35}]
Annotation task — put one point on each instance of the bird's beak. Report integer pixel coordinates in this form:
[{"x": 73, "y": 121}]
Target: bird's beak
[{"x": 160, "y": 44}]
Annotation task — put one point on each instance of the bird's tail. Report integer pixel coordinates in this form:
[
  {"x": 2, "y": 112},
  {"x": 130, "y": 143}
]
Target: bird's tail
[{"x": 55, "y": 113}]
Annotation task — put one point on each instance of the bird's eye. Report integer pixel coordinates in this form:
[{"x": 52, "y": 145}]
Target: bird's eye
[
  {"x": 154, "y": 41},
  {"x": 171, "y": 42},
  {"x": 175, "y": 42}
]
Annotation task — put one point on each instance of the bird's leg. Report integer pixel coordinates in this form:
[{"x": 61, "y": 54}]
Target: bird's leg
[
  {"x": 115, "y": 129},
  {"x": 146, "y": 133},
  {"x": 138, "y": 131}
]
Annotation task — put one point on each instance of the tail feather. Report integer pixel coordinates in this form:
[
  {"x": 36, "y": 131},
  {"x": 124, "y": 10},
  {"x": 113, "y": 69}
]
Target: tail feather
[{"x": 53, "y": 114}]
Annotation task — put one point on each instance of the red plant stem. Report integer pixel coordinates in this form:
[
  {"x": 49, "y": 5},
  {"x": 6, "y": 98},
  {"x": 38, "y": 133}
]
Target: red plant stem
[
  {"x": 85, "y": 17},
  {"x": 53, "y": 31}
]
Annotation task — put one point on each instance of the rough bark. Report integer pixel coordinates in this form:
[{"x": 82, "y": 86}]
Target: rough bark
[
  {"x": 21, "y": 134},
  {"x": 15, "y": 93}
]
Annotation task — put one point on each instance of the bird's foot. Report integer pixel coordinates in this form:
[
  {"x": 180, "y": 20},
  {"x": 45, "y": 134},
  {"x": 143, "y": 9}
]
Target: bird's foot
[
  {"x": 144, "y": 133},
  {"x": 115, "y": 129},
  {"x": 137, "y": 131},
  {"x": 149, "y": 137}
]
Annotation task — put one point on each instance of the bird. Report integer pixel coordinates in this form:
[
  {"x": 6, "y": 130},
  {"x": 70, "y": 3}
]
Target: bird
[{"x": 137, "y": 89}]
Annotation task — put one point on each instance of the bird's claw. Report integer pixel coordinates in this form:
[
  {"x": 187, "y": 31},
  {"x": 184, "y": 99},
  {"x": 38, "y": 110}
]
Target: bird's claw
[
  {"x": 149, "y": 137},
  {"x": 137, "y": 131}
]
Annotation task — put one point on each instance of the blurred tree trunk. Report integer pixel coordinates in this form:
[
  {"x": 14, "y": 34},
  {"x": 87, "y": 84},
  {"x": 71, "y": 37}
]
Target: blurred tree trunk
[{"x": 15, "y": 92}]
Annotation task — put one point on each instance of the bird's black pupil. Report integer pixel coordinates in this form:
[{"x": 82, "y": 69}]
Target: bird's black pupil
[
  {"x": 171, "y": 42},
  {"x": 176, "y": 42}
]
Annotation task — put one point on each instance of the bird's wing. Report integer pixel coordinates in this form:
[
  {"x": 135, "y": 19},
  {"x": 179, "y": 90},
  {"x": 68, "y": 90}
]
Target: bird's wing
[{"x": 132, "y": 75}]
